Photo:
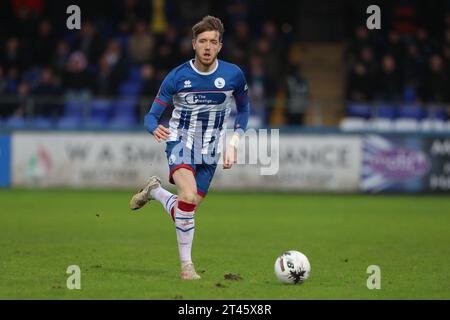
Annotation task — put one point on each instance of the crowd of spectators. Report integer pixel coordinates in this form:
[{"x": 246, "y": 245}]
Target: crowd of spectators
[
  {"x": 406, "y": 62},
  {"x": 126, "y": 51}
]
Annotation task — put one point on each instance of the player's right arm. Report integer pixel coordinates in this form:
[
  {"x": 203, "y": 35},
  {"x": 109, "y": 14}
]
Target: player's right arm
[{"x": 162, "y": 100}]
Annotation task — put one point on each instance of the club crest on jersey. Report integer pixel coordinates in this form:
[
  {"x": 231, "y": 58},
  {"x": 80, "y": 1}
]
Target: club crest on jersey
[
  {"x": 172, "y": 159},
  {"x": 187, "y": 84},
  {"x": 219, "y": 83}
]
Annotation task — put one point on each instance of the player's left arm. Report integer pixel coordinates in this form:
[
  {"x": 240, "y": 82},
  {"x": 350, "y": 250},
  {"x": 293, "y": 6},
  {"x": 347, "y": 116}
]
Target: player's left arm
[
  {"x": 240, "y": 124},
  {"x": 162, "y": 100}
]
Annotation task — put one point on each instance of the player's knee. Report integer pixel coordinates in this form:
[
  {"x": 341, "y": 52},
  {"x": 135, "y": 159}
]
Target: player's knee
[{"x": 188, "y": 196}]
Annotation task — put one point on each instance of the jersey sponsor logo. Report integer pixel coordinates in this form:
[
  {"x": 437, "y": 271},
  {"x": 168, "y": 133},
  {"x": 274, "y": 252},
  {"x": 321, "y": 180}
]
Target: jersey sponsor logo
[
  {"x": 219, "y": 83},
  {"x": 187, "y": 84},
  {"x": 207, "y": 98}
]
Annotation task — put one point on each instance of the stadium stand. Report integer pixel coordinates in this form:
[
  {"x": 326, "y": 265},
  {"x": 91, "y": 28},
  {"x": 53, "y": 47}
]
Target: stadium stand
[
  {"x": 330, "y": 76},
  {"x": 397, "y": 78}
]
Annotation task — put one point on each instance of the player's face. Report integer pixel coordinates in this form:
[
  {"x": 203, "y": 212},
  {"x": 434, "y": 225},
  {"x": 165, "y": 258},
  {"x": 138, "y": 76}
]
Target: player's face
[{"x": 207, "y": 46}]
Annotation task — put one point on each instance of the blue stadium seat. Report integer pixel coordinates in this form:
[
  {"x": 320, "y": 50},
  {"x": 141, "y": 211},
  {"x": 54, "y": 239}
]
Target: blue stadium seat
[
  {"x": 411, "y": 111},
  {"x": 437, "y": 113},
  {"x": 125, "y": 106},
  {"x": 123, "y": 122},
  {"x": 96, "y": 124},
  {"x": 74, "y": 109},
  {"x": 123, "y": 40},
  {"x": 406, "y": 125},
  {"x": 69, "y": 122},
  {"x": 101, "y": 110},
  {"x": 15, "y": 122},
  {"x": 358, "y": 110},
  {"x": 353, "y": 124},
  {"x": 385, "y": 111},
  {"x": 409, "y": 94},
  {"x": 135, "y": 74},
  {"x": 42, "y": 123},
  {"x": 432, "y": 125},
  {"x": 11, "y": 85},
  {"x": 382, "y": 124},
  {"x": 130, "y": 89}
]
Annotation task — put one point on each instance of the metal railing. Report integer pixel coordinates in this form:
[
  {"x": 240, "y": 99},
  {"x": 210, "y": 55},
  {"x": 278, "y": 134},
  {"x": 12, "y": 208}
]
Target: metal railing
[{"x": 85, "y": 107}]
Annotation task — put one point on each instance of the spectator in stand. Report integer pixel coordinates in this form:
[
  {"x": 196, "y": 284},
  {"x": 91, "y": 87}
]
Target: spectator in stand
[
  {"x": 405, "y": 16},
  {"x": 149, "y": 90},
  {"x": 171, "y": 36},
  {"x": 413, "y": 63},
  {"x": 117, "y": 60},
  {"x": 436, "y": 81},
  {"x": 23, "y": 94},
  {"x": 9, "y": 83},
  {"x": 132, "y": 11},
  {"x": 297, "y": 89},
  {"x": 239, "y": 44},
  {"x": 424, "y": 43},
  {"x": 357, "y": 43},
  {"x": 270, "y": 32},
  {"x": 107, "y": 82},
  {"x": 3, "y": 82},
  {"x": 12, "y": 80},
  {"x": 48, "y": 93},
  {"x": 13, "y": 55},
  {"x": 368, "y": 60},
  {"x": 5, "y": 108},
  {"x": 269, "y": 57},
  {"x": 23, "y": 25},
  {"x": 190, "y": 11},
  {"x": 141, "y": 44},
  {"x": 359, "y": 84},
  {"x": 446, "y": 40},
  {"x": 167, "y": 56},
  {"x": 413, "y": 72},
  {"x": 123, "y": 33},
  {"x": 76, "y": 79},
  {"x": 44, "y": 44},
  {"x": 185, "y": 47},
  {"x": 89, "y": 42},
  {"x": 389, "y": 87},
  {"x": 259, "y": 86},
  {"x": 61, "y": 57},
  {"x": 394, "y": 45},
  {"x": 446, "y": 56},
  {"x": 151, "y": 83}
]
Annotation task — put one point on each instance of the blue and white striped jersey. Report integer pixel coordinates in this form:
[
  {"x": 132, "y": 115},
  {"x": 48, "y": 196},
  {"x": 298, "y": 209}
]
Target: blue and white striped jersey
[{"x": 202, "y": 102}]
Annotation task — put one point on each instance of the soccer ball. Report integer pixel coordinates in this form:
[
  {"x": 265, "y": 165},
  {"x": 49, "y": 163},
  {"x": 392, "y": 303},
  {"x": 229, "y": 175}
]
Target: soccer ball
[{"x": 292, "y": 267}]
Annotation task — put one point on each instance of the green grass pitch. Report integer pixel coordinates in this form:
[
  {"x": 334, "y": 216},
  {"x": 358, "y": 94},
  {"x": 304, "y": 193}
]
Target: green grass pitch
[{"x": 133, "y": 255}]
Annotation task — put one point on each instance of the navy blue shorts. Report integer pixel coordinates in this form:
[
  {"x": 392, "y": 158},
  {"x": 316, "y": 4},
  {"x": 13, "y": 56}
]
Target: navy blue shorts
[{"x": 203, "y": 169}]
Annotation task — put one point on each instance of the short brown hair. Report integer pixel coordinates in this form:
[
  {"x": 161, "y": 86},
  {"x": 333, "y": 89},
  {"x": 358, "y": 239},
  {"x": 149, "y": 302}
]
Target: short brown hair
[{"x": 208, "y": 23}]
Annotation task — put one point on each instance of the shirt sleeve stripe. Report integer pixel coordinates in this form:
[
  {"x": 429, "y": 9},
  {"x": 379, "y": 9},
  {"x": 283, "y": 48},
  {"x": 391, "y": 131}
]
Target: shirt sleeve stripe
[{"x": 165, "y": 104}]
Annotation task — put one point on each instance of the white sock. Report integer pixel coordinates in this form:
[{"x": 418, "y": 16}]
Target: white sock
[
  {"x": 185, "y": 227},
  {"x": 167, "y": 199}
]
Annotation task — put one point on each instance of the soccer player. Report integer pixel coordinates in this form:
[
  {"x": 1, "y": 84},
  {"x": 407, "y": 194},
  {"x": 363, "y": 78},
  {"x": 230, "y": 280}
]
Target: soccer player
[{"x": 202, "y": 92}]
